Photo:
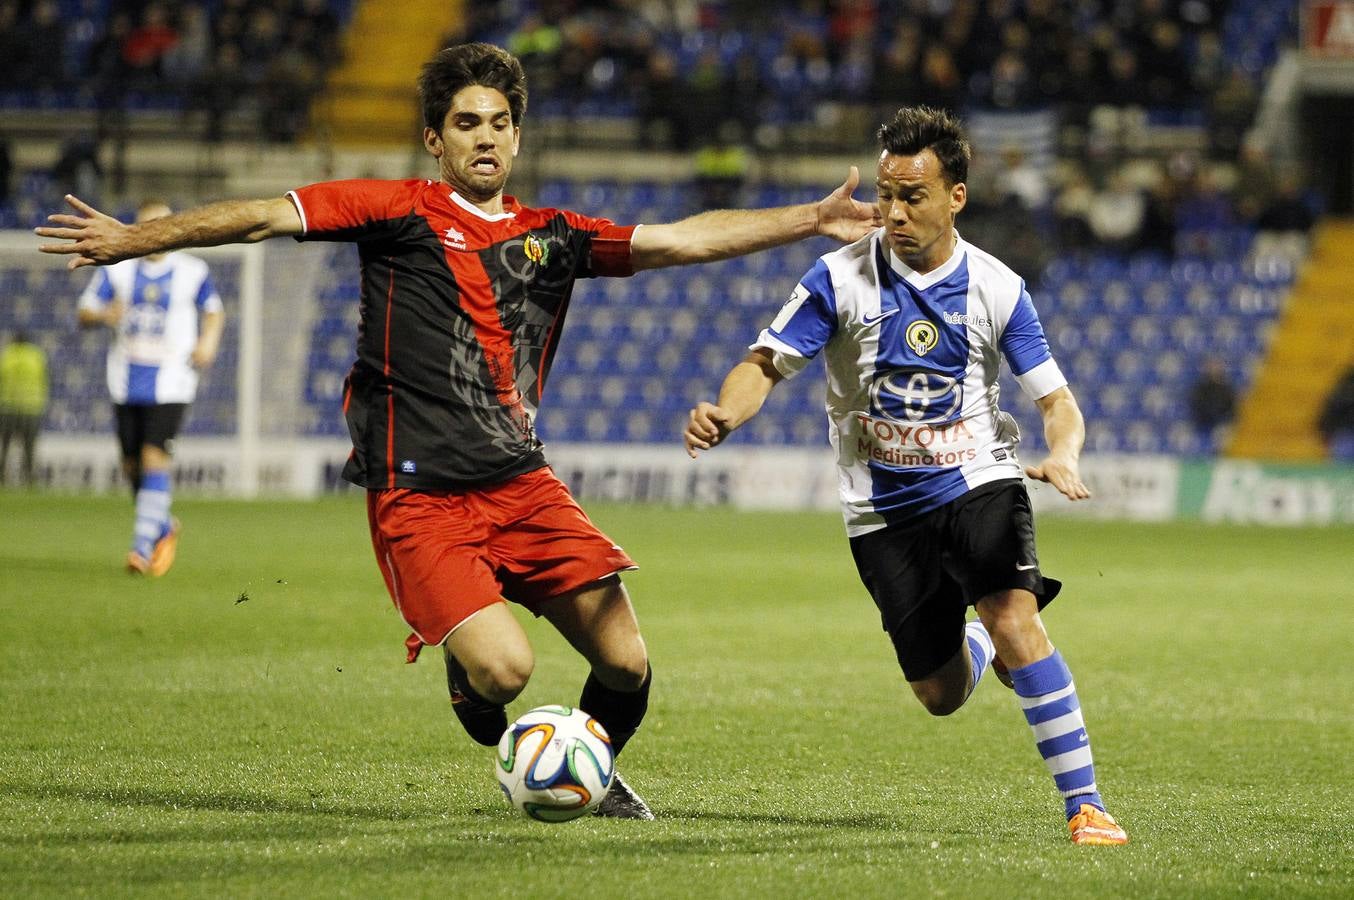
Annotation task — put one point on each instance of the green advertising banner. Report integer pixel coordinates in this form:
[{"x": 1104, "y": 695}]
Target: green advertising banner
[{"x": 1266, "y": 493}]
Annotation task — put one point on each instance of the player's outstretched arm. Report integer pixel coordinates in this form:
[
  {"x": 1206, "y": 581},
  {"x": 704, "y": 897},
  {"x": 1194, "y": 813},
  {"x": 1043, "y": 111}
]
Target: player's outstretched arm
[
  {"x": 745, "y": 389},
  {"x": 724, "y": 233},
  {"x": 95, "y": 239},
  {"x": 1065, "y": 431}
]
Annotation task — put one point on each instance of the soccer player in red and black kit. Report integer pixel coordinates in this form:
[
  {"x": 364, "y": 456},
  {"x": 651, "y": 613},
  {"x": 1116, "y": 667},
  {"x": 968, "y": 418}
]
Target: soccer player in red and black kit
[{"x": 464, "y": 291}]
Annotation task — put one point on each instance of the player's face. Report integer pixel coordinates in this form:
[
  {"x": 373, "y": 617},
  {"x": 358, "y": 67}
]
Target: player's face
[
  {"x": 477, "y": 143},
  {"x": 918, "y": 208}
]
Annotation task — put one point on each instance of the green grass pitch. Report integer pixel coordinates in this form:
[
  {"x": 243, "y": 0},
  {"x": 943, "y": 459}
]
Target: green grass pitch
[{"x": 246, "y": 726}]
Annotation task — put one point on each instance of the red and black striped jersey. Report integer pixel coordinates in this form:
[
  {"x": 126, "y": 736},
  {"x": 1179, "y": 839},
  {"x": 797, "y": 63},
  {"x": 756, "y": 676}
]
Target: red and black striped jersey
[{"x": 460, "y": 316}]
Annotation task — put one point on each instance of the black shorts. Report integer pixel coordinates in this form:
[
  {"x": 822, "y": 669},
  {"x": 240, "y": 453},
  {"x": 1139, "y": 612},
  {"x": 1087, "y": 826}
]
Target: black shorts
[
  {"x": 924, "y": 574},
  {"x": 147, "y": 426}
]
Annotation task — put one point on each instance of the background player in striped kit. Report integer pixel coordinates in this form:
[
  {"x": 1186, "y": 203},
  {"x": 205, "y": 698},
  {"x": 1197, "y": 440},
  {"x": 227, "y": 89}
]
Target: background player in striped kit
[
  {"x": 166, "y": 318},
  {"x": 464, "y": 292},
  {"x": 913, "y": 322}
]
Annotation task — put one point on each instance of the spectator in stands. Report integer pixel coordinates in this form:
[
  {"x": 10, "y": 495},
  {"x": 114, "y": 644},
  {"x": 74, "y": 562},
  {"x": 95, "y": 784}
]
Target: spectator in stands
[
  {"x": 1231, "y": 109},
  {"x": 1158, "y": 223},
  {"x": 1021, "y": 180},
  {"x": 1123, "y": 79},
  {"x": 1164, "y": 67},
  {"x": 1076, "y": 84},
  {"x": 43, "y": 38},
  {"x": 745, "y": 93},
  {"x": 1284, "y": 224},
  {"x": 898, "y": 69},
  {"x": 184, "y": 63},
  {"x": 221, "y": 89},
  {"x": 664, "y": 110},
  {"x": 105, "y": 66},
  {"x": 23, "y": 400},
  {"x": 722, "y": 167},
  {"x": 12, "y": 48},
  {"x": 144, "y": 49},
  {"x": 941, "y": 83},
  {"x": 1336, "y": 423},
  {"x": 79, "y": 168},
  {"x": 322, "y": 27},
  {"x": 1212, "y": 402},
  {"x": 1072, "y": 212},
  {"x": 6, "y": 171},
  {"x": 289, "y": 81},
  {"x": 537, "y": 43},
  {"x": 261, "y": 39},
  {"x": 1287, "y": 211},
  {"x": 1204, "y": 214},
  {"x": 1117, "y": 214},
  {"x": 1209, "y": 67},
  {"x": 1256, "y": 179}
]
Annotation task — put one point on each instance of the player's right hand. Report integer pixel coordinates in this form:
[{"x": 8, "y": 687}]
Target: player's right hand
[
  {"x": 706, "y": 426},
  {"x": 113, "y": 313},
  {"x": 95, "y": 236}
]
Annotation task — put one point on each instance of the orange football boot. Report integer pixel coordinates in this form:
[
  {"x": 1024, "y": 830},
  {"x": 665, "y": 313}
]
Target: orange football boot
[
  {"x": 1095, "y": 827},
  {"x": 162, "y": 557},
  {"x": 137, "y": 564}
]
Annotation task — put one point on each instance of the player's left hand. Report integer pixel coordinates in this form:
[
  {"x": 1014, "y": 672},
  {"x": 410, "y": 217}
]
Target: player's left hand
[
  {"x": 202, "y": 357},
  {"x": 97, "y": 238},
  {"x": 1063, "y": 475},
  {"x": 844, "y": 218}
]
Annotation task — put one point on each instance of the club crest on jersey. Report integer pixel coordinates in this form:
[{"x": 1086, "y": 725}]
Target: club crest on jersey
[
  {"x": 454, "y": 239},
  {"x": 922, "y": 336},
  {"x": 535, "y": 250}
]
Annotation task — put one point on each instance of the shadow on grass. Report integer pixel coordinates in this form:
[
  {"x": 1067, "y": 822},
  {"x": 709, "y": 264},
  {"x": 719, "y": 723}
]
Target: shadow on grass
[
  {"x": 871, "y": 821},
  {"x": 218, "y": 801}
]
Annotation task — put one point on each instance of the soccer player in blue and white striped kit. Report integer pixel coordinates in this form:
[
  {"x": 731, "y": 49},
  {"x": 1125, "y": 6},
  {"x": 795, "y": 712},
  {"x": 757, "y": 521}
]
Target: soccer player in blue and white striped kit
[
  {"x": 913, "y": 322},
  {"x": 167, "y": 320}
]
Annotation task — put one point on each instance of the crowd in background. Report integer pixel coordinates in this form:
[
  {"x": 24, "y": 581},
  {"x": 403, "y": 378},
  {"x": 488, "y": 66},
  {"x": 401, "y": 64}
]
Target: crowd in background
[
  {"x": 672, "y": 61},
  {"x": 726, "y": 79},
  {"x": 216, "y": 57},
  {"x": 710, "y": 77}
]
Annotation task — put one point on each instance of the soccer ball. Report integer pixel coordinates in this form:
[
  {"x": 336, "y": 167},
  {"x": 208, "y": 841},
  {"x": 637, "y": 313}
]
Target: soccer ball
[{"x": 555, "y": 763}]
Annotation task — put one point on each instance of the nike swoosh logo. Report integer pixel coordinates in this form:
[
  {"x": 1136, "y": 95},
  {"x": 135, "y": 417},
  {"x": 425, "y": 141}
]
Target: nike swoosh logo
[
  {"x": 1020, "y": 568},
  {"x": 874, "y": 320}
]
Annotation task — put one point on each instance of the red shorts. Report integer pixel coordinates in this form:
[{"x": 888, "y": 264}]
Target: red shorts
[{"x": 446, "y": 555}]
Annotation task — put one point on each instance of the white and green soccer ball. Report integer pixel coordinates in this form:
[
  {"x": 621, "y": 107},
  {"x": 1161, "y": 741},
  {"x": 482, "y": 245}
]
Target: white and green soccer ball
[{"x": 555, "y": 763}]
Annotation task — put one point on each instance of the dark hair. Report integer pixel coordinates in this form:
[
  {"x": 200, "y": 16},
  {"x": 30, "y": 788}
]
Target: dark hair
[
  {"x": 915, "y": 128},
  {"x": 456, "y": 68}
]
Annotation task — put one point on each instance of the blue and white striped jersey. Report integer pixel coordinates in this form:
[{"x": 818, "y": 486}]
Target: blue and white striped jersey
[
  {"x": 148, "y": 360},
  {"x": 912, "y": 363}
]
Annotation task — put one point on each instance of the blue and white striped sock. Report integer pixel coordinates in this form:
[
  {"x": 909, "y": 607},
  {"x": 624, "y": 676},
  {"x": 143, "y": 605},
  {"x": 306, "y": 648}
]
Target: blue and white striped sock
[
  {"x": 1049, "y": 700},
  {"x": 980, "y": 651},
  {"x": 152, "y": 512}
]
